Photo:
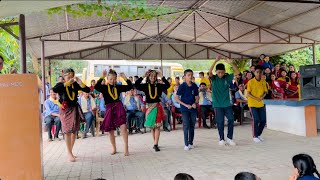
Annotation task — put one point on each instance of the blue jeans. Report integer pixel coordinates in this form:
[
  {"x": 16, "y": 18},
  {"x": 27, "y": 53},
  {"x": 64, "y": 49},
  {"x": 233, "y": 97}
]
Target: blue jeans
[
  {"x": 259, "y": 120},
  {"x": 220, "y": 114},
  {"x": 140, "y": 118},
  {"x": 189, "y": 121},
  {"x": 89, "y": 118}
]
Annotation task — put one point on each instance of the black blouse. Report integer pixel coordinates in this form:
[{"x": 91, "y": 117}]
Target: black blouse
[
  {"x": 145, "y": 88},
  {"x": 104, "y": 90},
  {"x": 61, "y": 90}
]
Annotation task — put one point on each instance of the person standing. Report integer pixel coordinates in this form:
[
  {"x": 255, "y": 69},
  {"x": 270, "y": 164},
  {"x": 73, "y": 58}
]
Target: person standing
[
  {"x": 70, "y": 111},
  {"x": 188, "y": 98},
  {"x": 115, "y": 115},
  {"x": 154, "y": 110},
  {"x": 221, "y": 99},
  {"x": 257, "y": 90}
]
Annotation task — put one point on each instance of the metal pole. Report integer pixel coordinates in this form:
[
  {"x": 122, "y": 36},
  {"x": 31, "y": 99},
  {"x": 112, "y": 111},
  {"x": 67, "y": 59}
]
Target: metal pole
[
  {"x": 314, "y": 53},
  {"x": 22, "y": 37},
  {"x": 43, "y": 71},
  {"x": 161, "y": 59},
  {"x": 50, "y": 73}
]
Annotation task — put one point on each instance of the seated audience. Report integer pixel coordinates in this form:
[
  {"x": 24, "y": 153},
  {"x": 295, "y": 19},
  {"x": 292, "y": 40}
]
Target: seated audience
[
  {"x": 88, "y": 106},
  {"x": 101, "y": 107},
  {"x": 175, "y": 103},
  {"x": 292, "y": 70},
  {"x": 205, "y": 102},
  {"x": 294, "y": 81},
  {"x": 261, "y": 59},
  {"x": 246, "y": 176},
  {"x": 304, "y": 168},
  {"x": 241, "y": 101},
  {"x": 252, "y": 70},
  {"x": 266, "y": 63},
  {"x": 283, "y": 76},
  {"x": 284, "y": 66},
  {"x": 183, "y": 176},
  {"x": 166, "y": 102},
  {"x": 52, "y": 115},
  {"x": 248, "y": 78},
  {"x": 276, "y": 71},
  {"x": 204, "y": 79},
  {"x": 267, "y": 72},
  {"x": 133, "y": 106},
  {"x": 177, "y": 80}
]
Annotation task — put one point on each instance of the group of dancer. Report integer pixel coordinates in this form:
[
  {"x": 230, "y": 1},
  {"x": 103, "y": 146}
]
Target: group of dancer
[{"x": 115, "y": 116}]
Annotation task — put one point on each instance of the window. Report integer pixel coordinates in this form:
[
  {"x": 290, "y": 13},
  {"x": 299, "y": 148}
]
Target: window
[{"x": 97, "y": 70}]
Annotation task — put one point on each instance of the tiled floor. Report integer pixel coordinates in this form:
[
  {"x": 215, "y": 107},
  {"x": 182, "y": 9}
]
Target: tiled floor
[{"x": 271, "y": 160}]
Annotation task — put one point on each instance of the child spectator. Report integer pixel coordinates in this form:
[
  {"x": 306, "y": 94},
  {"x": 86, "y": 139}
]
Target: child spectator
[
  {"x": 257, "y": 90},
  {"x": 292, "y": 70},
  {"x": 246, "y": 176},
  {"x": 248, "y": 78},
  {"x": 276, "y": 70},
  {"x": 189, "y": 98},
  {"x": 283, "y": 76},
  {"x": 267, "y": 72},
  {"x": 204, "y": 79},
  {"x": 284, "y": 66},
  {"x": 294, "y": 81},
  {"x": 266, "y": 63},
  {"x": 304, "y": 168},
  {"x": 261, "y": 59}
]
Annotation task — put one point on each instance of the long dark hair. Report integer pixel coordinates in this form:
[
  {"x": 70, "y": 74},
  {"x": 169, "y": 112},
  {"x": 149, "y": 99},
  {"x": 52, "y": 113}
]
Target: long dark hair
[
  {"x": 305, "y": 165},
  {"x": 245, "y": 176},
  {"x": 183, "y": 176},
  {"x": 112, "y": 72}
]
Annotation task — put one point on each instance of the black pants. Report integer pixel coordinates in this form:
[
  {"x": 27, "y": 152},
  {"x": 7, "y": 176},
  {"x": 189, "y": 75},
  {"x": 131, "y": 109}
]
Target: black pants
[
  {"x": 205, "y": 109},
  {"x": 50, "y": 120}
]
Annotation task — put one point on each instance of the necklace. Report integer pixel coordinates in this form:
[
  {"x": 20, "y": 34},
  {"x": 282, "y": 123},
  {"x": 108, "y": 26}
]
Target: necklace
[
  {"x": 155, "y": 94},
  {"x": 73, "y": 94},
  {"x": 115, "y": 95}
]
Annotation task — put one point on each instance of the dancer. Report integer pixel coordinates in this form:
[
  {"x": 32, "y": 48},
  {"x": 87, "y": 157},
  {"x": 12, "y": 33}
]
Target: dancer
[
  {"x": 70, "y": 111},
  {"x": 115, "y": 116},
  {"x": 155, "y": 113},
  {"x": 188, "y": 97},
  {"x": 221, "y": 99},
  {"x": 257, "y": 90}
]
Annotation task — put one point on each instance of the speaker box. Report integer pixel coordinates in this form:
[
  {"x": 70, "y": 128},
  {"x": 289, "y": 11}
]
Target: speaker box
[{"x": 310, "y": 81}]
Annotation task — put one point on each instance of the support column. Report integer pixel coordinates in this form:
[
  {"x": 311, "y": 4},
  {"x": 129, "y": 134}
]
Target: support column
[
  {"x": 161, "y": 57},
  {"x": 50, "y": 72},
  {"x": 314, "y": 55},
  {"x": 22, "y": 37},
  {"x": 43, "y": 71}
]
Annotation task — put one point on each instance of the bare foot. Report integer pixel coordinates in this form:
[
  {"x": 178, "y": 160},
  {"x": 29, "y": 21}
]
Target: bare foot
[
  {"x": 75, "y": 156},
  {"x": 71, "y": 158},
  {"x": 126, "y": 153},
  {"x": 113, "y": 152}
]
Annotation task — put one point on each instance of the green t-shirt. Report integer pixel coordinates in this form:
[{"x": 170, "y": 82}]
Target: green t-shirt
[{"x": 221, "y": 97}]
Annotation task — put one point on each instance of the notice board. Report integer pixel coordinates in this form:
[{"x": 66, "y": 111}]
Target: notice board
[{"x": 20, "y": 128}]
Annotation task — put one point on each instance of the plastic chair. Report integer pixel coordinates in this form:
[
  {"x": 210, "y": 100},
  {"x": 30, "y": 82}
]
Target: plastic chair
[{"x": 174, "y": 116}]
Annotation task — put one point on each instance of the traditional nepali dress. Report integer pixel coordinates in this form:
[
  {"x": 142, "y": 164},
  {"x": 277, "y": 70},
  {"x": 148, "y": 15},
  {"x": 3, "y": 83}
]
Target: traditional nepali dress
[
  {"x": 115, "y": 115},
  {"x": 70, "y": 112},
  {"x": 155, "y": 113}
]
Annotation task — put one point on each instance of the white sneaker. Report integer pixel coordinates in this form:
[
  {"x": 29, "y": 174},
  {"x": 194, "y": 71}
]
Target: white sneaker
[
  {"x": 261, "y": 139},
  {"x": 231, "y": 142},
  {"x": 256, "y": 140},
  {"x": 186, "y": 148},
  {"x": 222, "y": 143},
  {"x": 190, "y": 146}
]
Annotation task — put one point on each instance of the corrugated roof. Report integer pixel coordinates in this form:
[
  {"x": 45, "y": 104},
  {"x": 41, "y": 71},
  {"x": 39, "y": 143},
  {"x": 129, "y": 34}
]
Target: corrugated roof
[{"x": 200, "y": 30}]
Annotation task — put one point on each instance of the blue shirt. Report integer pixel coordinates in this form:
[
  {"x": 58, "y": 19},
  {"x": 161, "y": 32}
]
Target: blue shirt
[
  {"x": 187, "y": 95},
  {"x": 50, "y": 108},
  {"x": 237, "y": 96},
  {"x": 266, "y": 65},
  {"x": 164, "y": 99},
  {"x": 308, "y": 178},
  {"x": 174, "y": 102},
  {"x": 133, "y": 104},
  {"x": 102, "y": 105},
  {"x": 205, "y": 99}
]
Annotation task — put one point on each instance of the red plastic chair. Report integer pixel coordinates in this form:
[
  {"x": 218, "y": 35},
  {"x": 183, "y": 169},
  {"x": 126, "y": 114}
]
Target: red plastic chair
[
  {"x": 53, "y": 130},
  {"x": 174, "y": 116}
]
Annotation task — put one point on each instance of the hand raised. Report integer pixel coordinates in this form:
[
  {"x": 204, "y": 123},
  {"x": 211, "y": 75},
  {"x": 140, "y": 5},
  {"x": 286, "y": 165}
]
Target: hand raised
[{"x": 229, "y": 61}]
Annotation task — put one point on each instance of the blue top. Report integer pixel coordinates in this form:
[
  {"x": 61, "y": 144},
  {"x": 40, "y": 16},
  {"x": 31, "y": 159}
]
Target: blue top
[
  {"x": 266, "y": 65},
  {"x": 102, "y": 105},
  {"x": 206, "y": 101},
  {"x": 237, "y": 96},
  {"x": 293, "y": 102},
  {"x": 50, "y": 108},
  {"x": 164, "y": 99},
  {"x": 187, "y": 95},
  {"x": 174, "y": 102},
  {"x": 133, "y": 104},
  {"x": 308, "y": 178}
]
